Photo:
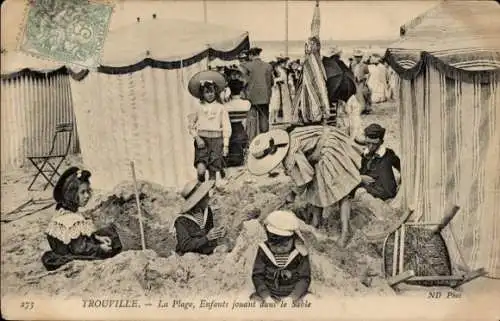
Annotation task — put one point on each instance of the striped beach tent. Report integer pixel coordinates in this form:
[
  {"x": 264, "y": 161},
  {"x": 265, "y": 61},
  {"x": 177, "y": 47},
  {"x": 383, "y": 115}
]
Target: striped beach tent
[{"x": 448, "y": 62}]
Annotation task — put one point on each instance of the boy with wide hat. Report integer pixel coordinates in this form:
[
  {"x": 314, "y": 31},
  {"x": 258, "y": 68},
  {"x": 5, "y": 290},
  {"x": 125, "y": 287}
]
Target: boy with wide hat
[{"x": 194, "y": 228}]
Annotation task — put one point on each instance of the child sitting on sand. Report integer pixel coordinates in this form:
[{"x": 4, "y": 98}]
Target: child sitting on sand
[
  {"x": 195, "y": 231},
  {"x": 209, "y": 125},
  {"x": 281, "y": 269},
  {"x": 70, "y": 235}
]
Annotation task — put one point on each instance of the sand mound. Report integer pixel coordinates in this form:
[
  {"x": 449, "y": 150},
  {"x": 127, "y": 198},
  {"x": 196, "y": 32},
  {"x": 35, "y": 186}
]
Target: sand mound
[{"x": 159, "y": 272}]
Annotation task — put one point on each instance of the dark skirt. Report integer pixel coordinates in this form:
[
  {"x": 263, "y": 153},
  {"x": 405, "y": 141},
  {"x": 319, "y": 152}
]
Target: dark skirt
[
  {"x": 83, "y": 248},
  {"x": 212, "y": 155}
]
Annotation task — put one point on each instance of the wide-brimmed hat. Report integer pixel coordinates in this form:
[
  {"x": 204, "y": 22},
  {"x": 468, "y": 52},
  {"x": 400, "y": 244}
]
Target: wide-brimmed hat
[
  {"x": 193, "y": 192},
  {"x": 373, "y": 133},
  {"x": 334, "y": 50},
  {"x": 358, "y": 53},
  {"x": 207, "y": 76},
  {"x": 266, "y": 151}
]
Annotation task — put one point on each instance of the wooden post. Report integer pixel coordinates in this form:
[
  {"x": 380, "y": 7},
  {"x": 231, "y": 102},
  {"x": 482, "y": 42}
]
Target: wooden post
[
  {"x": 395, "y": 254},
  {"x": 205, "y": 15},
  {"x": 402, "y": 248},
  {"x": 286, "y": 28},
  {"x": 143, "y": 241}
]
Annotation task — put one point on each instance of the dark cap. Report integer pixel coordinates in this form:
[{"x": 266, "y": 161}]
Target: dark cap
[{"x": 375, "y": 131}]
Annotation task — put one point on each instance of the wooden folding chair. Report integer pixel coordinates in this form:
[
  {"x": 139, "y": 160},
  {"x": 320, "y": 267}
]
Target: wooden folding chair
[{"x": 43, "y": 163}]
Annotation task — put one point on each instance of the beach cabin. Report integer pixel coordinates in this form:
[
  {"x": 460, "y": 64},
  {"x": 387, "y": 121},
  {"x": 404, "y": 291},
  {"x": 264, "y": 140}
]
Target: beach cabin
[
  {"x": 134, "y": 107},
  {"x": 448, "y": 62},
  {"x": 36, "y": 97}
]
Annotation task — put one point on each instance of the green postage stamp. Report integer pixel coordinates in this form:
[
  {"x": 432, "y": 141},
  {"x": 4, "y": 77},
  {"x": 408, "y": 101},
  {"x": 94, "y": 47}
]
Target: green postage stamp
[{"x": 69, "y": 31}]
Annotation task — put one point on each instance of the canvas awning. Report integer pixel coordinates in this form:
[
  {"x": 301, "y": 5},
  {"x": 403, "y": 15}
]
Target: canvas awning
[
  {"x": 461, "y": 38},
  {"x": 16, "y": 64},
  {"x": 168, "y": 44},
  {"x": 165, "y": 44}
]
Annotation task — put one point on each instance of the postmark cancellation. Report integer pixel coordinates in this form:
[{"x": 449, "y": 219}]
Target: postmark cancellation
[{"x": 68, "y": 31}]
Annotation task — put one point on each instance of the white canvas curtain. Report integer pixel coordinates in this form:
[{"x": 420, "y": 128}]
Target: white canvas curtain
[
  {"x": 451, "y": 155},
  {"x": 141, "y": 116}
]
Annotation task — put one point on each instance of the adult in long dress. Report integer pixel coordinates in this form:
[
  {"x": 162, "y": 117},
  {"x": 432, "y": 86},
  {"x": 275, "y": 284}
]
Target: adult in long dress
[
  {"x": 378, "y": 81},
  {"x": 362, "y": 74},
  {"x": 281, "y": 101}
]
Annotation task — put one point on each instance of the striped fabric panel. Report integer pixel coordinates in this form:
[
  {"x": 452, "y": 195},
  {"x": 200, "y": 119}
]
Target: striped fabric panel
[
  {"x": 463, "y": 58},
  {"x": 312, "y": 97},
  {"x": 281, "y": 259},
  {"x": 450, "y": 155},
  {"x": 31, "y": 110}
]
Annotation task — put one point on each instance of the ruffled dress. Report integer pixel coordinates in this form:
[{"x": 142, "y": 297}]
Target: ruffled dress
[{"x": 72, "y": 237}]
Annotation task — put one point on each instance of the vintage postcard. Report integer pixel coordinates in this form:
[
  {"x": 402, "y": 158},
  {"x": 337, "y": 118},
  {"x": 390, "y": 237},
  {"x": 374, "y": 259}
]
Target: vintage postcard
[{"x": 250, "y": 160}]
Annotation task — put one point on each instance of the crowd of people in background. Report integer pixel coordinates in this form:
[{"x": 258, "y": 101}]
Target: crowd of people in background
[{"x": 375, "y": 83}]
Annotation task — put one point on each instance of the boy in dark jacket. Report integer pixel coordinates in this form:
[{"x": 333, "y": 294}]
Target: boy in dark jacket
[
  {"x": 281, "y": 269},
  {"x": 194, "y": 229},
  {"x": 377, "y": 163}
]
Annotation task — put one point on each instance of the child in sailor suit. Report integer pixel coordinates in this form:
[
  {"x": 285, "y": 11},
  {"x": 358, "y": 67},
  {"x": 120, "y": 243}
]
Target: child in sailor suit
[{"x": 281, "y": 268}]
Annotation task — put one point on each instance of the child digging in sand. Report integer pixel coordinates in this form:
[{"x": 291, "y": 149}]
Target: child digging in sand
[
  {"x": 70, "y": 235},
  {"x": 194, "y": 229},
  {"x": 281, "y": 269}
]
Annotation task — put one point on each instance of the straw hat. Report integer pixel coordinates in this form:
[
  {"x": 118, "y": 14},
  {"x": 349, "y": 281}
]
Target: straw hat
[
  {"x": 335, "y": 50},
  {"x": 266, "y": 151},
  {"x": 358, "y": 53},
  {"x": 207, "y": 76},
  {"x": 193, "y": 192}
]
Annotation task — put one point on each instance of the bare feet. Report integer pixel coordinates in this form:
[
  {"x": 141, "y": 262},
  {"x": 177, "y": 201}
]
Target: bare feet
[{"x": 344, "y": 239}]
